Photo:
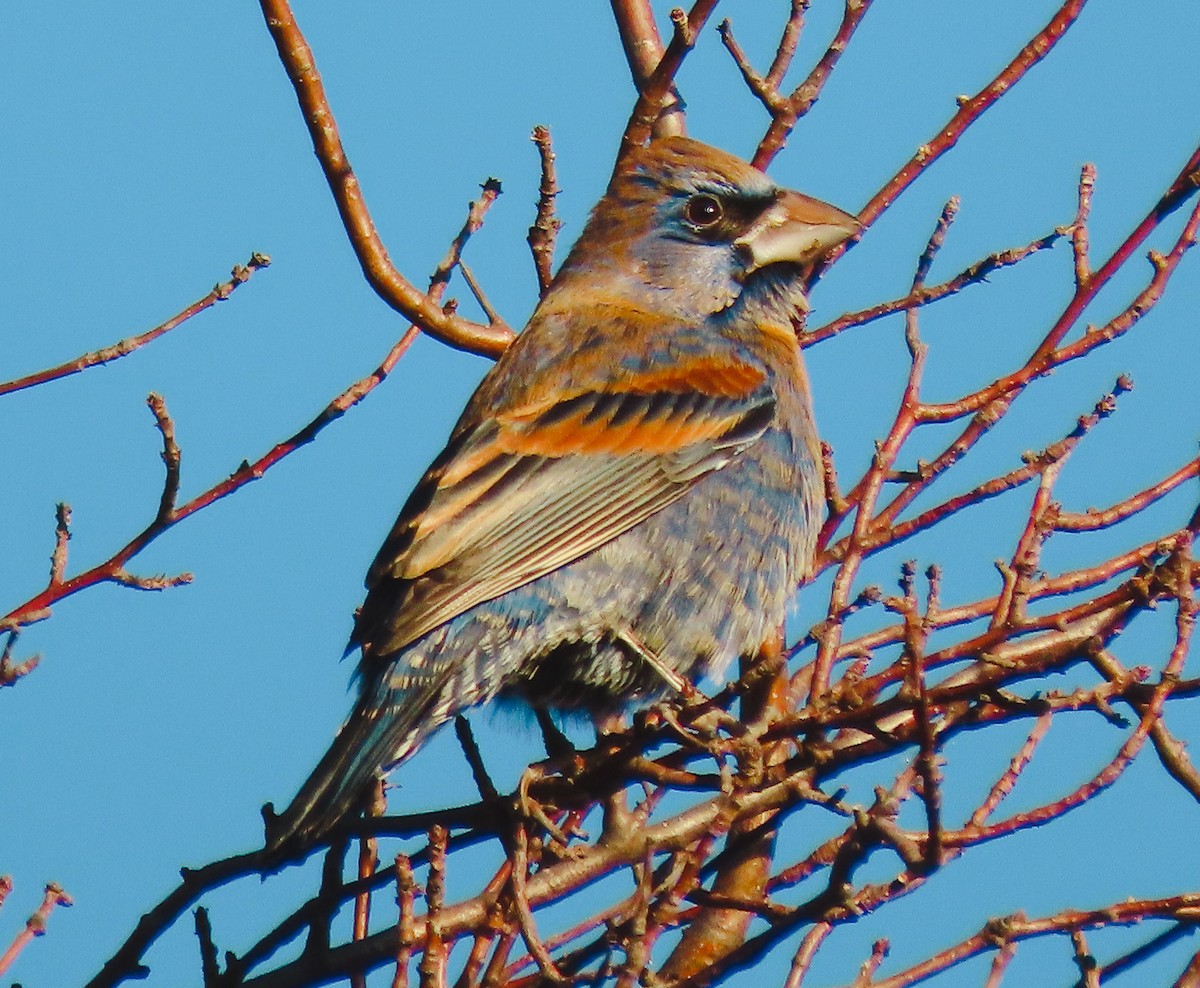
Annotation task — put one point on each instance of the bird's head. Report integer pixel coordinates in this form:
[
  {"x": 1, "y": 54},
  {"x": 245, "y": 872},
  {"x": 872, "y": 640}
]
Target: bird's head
[{"x": 695, "y": 230}]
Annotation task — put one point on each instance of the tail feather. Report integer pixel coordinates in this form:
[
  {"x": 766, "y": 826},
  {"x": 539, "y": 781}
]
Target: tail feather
[{"x": 385, "y": 727}]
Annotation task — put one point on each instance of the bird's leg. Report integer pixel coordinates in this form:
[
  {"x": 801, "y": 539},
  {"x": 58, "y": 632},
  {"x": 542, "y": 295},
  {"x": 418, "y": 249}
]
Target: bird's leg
[
  {"x": 558, "y": 746},
  {"x": 669, "y": 675},
  {"x": 701, "y": 736}
]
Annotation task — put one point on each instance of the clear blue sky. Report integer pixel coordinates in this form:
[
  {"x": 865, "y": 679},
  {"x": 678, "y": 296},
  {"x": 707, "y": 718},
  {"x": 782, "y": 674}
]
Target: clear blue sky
[{"x": 150, "y": 147}]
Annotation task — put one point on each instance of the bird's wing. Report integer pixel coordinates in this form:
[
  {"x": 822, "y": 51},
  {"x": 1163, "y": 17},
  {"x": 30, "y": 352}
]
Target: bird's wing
[{"x": 540, "y": 485}]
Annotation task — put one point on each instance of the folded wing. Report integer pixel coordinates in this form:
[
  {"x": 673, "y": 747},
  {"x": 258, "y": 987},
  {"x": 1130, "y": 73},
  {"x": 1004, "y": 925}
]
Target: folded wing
[{"x": 540, "y": 485}]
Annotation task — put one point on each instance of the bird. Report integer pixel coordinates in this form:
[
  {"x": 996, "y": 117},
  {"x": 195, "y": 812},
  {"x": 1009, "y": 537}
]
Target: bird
[{"x": 630, "y": 497}]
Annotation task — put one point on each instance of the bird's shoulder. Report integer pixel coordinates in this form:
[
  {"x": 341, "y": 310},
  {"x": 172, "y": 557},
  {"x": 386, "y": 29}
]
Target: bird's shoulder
[{"x": 609, "y": 344}]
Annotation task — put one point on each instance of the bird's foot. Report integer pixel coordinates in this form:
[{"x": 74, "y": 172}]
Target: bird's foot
[{"x": 528, "y": 808}]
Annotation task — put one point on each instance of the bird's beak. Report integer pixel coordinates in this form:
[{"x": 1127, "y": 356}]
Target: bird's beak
[{"x": 795, "y": 228}]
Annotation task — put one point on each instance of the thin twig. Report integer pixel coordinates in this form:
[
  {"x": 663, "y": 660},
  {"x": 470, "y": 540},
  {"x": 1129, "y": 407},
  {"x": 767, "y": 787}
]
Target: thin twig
[
  {"x": 657, "y": 94},
  {"x": 520, "y": 902},
  {"x": 1079, "y": 229},
  {"x": 806, "y": 953},
  {"x": 113, "y": 570},
  {"x": 35, "y": 926},
  {"x": 805, "y": 96},
  {"x": 544, "y": 232},
  {"x": 976, "y": 273},
  {"x": 972, "y": 108},
  {"x": 171, "y": 457},
  {"x": 241, "y": 274}
]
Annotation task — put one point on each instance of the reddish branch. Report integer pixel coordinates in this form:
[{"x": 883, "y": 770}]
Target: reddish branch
[
  {"x": 11, "y": 671},
  {"x": 656, "y": 92},
  {"x": 900, "y": 722},
  {"x": 1051, "y": 352},
  {"x": 544, "y": 232},
  {"x": 854, "y": 548},
  {"x": 241, "y": 274},
  {"x": 766, "y": 87},
  {"x": 924, "y": 295},
  {"x": 870, "y": 897},
  {"x": 1071, "y": 582},
  {"x": 972, "y": 108},
  {"x": 1171, "y": 752},
  {"x": 875, "y": 527},
  {"x": 806, "y": 953},
  {"x": 35, "y": 926},
  {"x": 677, "y": 834},
  {"x": 1151, "y": 712},
  {"x": 1013, "y": 929},
  {"x": 639, "y": 37},
  {"x": 786, "y": 111},
  {"x": 744, "y": 868},
  {"x": 391, "y": 286},
  {"x": 643, "y": 47},
  {"x": 1094, "y": 519},
  {"x": 170, "y": 513},
  {"x": 546, "y": 885},
  {"x": 1190, "y": 978},
  {"x": 710, "y": 866},
  {"x": 368, "y": 861},
  {"x": 405, "y": 896}
]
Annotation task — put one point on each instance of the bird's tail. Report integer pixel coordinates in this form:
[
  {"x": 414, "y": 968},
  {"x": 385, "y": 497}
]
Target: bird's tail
[{"x": 386, "y": 726}]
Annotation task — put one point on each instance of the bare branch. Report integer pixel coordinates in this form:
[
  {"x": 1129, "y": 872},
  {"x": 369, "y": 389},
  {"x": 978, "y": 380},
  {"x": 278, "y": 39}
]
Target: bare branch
[
  {"x": 805, "y": 96},
  {"x": 656, "y": 95},
  {"x": 381, "y": 274},
  {"x": 972, "y": 108},
  {"x": 1079, "y": 229},
  {"x": 922, "y": 296},
  {"x": 544, "y": 232},
  {"x": 241, "y": 274},
  {"x": 170, "y": 458},
  {"x": 169, "y": 514},
  {"x": 35, "y": 926},
  {"x": 1013, "y": 929},
  {"x": 805, "y": 954}
]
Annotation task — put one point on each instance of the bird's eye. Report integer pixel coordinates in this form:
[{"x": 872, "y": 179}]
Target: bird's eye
[{"x": 704, "y": 211}]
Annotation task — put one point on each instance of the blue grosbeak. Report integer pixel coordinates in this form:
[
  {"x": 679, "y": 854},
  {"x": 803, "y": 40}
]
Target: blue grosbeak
[{"x": 630, "y": 496}]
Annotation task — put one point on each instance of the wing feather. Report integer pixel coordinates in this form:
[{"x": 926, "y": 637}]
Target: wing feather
[{"x": 538, "y": 486}]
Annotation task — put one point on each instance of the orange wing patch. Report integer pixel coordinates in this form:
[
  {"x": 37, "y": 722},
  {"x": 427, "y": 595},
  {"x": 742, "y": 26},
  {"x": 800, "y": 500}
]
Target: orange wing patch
[
  {"x": 653, "y": 412},
  {"x": 567, "y": 437},
  {"x": 721, "y": 378},
  {"x": 622, "y": 424}
]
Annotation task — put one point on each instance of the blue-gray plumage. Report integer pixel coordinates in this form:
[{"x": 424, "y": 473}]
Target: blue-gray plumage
[{"x": 631, "y": 495}]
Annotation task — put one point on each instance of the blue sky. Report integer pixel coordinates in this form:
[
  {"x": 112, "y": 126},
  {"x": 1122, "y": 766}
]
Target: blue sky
[{"x": 150, "y": 148}]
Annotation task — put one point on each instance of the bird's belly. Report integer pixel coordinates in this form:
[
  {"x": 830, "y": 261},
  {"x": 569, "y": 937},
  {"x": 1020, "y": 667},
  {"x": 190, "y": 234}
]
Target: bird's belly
[{"x": 700, "y": 582}]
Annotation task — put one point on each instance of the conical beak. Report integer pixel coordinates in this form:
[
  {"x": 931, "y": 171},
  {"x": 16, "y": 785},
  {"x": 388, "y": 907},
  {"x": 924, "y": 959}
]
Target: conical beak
[{"x": 795, "y": 228}]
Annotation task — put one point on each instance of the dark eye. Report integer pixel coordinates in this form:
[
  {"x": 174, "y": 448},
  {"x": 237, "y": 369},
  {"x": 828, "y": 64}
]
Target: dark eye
[{"x": 703, "y": 211}]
